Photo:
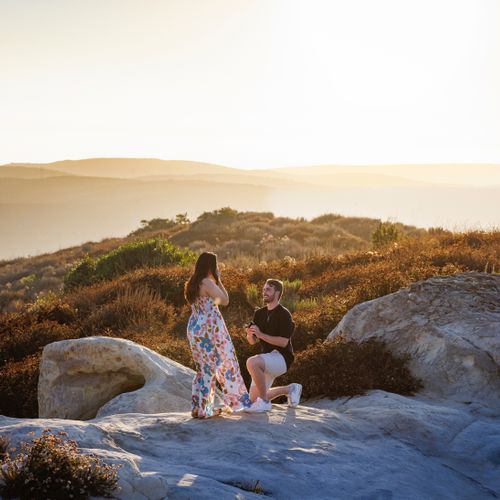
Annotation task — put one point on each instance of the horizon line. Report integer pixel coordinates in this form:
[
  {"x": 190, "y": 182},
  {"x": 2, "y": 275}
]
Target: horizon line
[{"x": 257, "y": 168}]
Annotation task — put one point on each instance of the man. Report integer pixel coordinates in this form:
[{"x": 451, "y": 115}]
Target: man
[{"x": 273, "y": 327}]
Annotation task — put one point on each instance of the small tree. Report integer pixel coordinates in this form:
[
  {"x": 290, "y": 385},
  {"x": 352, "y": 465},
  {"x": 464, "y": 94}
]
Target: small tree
[
  {"x": 385, "y": 233},
  {"x": 182, "y": 218}
]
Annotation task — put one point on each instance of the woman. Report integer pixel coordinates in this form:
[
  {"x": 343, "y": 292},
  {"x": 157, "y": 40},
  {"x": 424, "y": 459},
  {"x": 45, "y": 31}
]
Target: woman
[{"x": 211, "y": 345}]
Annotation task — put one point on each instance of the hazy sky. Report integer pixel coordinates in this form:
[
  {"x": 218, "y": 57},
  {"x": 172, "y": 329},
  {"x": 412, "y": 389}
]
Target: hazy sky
[{"x": 251, "y": 83}]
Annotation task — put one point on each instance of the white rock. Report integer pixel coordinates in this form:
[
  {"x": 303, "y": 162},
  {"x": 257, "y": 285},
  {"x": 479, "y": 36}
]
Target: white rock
[
  {"x": 376, "y": 446},
  {"x": 450, "y": 327},
  {"x": 82, "y": 378}
]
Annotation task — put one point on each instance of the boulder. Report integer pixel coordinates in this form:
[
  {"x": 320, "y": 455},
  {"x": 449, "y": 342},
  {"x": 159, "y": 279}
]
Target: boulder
[
  {"x": 98, "y": 376},
  {"x": 450, "y": 328}
]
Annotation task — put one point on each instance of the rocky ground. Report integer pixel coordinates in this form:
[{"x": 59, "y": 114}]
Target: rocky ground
[{"x": 378, "y": 446}]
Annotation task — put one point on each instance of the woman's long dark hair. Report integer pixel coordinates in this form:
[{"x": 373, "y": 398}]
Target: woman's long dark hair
[{"x": 206, "y": 263}]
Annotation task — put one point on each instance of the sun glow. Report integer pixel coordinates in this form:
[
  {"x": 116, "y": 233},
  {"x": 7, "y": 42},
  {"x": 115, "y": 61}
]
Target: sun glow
[{"x": 251, "y": 83}]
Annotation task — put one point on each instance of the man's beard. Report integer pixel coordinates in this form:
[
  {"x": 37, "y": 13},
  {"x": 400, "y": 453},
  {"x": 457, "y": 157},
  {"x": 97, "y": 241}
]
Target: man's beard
[{"x": 267, "y": 299}]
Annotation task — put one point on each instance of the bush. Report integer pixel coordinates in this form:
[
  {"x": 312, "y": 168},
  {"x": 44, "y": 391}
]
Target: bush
[
  {"x": 81, "y": 274},
  {"x": 342, "y": 368},
  {"x": 22, "y": 335},
  {"x": 137, "y": 308},
  {"x": 4, "y": 446},
  {"x": 291, "y": 294},
  {"x": 52, "y": 307},
  {"x": 153, "y": 252},
  {"x": 157, "y": 224},
  {"x": 52, "y": 467},
  {"x": 385, "y": 233},
  {"x": 18, "y": 388},
  {"x": 253, "y": 295}
]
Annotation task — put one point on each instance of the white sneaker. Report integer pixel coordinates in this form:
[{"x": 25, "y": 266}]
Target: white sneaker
[
  {"x": 259, "y": 406},
  {"x": 294, "y": 395}
]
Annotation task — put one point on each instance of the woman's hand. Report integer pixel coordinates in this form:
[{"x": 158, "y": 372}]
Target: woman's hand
[{"x": 217, "y": 275}]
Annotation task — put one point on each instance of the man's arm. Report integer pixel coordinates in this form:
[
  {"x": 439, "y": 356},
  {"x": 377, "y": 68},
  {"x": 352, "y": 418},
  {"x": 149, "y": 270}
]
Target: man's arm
[
  {"x": 286, "y": 329},
  {"x": 270, "y": 339}
]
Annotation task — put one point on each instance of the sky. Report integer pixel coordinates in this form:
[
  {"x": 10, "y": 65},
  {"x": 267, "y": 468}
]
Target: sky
[{"x": 251, "y": 83}]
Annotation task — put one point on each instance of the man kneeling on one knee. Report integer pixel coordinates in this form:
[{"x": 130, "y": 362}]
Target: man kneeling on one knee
[{"x": 273, "y": 327}]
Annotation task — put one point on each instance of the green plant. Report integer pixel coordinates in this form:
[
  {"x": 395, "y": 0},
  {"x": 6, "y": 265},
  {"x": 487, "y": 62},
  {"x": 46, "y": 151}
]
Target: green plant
[
  {"x": 28, "y": 280},
  {"x": 385, "y": 233},
  {"x": 307, "y": 304},
  {"x": 52, "y": 467},
  {"x": 291, "y": 293},
  {"x": 51, "y": 306},
  {"x": 81, "y": 274},
  {"x": 253, "y": 295},
  {"x": 153, "y": 252}
]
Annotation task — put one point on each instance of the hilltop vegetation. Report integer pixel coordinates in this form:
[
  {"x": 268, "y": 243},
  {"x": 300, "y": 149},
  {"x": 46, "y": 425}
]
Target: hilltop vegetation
[
  {"x": 145, "y": 303},
  {"x": 241, "y": 239},
  {"x": 247, "y": 237}
]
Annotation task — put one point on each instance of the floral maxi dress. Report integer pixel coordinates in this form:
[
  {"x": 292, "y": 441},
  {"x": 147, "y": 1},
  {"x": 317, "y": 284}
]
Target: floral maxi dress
[{"x": 214, "y": 358}]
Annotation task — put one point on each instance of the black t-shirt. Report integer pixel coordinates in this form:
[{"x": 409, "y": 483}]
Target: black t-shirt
[{"x": 278, "y": 323}]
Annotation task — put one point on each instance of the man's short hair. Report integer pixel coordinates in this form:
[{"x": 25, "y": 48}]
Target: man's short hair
[{"x": 276, "y": 284}]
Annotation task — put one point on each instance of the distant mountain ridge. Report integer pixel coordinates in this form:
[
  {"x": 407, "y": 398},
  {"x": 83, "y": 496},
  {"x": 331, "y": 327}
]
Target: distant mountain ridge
[
  {"x": 44, "y": 207},
  {"x": 148, "y": 168}
]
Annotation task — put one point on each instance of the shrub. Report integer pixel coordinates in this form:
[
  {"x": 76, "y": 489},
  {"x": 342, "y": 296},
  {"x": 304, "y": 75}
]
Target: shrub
[
  {"x": 291, "y": 293},
  {"x": 18, "y": 387},
  {"x": 52, "y": 467},
  {"x": 81, "y": 274},
  {"x": 153, "y": 225},
  {"x": 4, "y": 446},
  {"x": 342, "y": 368},
  {"x": 51, "y": 306},
  {"x": 253, "y": 295},
  {"x": 139, "y": 308},
  {"x": 153, "y": 252},
  {"x": 385, "y": 233},
  {"x": 306, "y": 304},
  {"x": 21, "y": 335},
  {"x": 29, "y": 280}
]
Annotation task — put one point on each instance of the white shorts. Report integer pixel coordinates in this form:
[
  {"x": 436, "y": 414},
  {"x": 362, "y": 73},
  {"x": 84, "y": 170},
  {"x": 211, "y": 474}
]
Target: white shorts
[{"x": 275, "y": 365}]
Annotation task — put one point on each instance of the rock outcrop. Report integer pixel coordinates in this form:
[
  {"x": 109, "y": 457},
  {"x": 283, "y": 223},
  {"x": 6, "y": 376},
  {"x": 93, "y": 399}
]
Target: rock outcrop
[
  {"x": 98, "y": 376},
  {"x": 377, "y": 446},
  {"x": 450, "y": 328}
]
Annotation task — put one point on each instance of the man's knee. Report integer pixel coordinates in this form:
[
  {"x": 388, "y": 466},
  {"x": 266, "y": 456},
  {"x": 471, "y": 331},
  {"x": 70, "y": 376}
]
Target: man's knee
[{"x": 255, "y": 363}]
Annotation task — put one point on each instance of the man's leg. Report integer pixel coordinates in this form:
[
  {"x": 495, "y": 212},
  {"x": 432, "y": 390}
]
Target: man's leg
[
  {"x": 256, "y": 367},
  {"x": 253, "y": 392},
  {"x": 274, "y": 392}
]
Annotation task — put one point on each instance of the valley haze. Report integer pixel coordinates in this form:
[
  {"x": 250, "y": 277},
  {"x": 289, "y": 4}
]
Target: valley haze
[{"x": 48, "y": 206}]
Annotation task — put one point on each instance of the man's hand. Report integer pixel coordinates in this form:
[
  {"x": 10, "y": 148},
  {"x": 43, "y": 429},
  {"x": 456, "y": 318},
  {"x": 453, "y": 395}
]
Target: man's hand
[
  {"x": 256, "y": 331},
  {"x": 251, "y": 338}
]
